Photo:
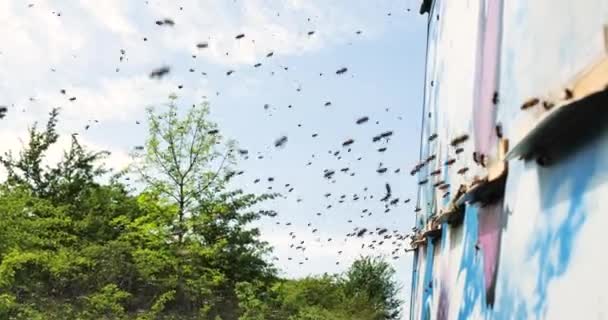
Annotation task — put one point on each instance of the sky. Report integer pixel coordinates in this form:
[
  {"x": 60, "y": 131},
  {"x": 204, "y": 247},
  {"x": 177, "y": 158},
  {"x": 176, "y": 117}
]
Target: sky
[{"x": 50, "y": 45}]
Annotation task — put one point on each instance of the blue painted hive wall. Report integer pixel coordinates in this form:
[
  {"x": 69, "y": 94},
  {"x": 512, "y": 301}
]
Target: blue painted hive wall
[{"x": 538, "y": 252}]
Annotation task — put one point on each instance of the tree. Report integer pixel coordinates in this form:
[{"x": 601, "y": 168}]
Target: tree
[
  {"x": 180, "y": 156},
  {"x": 77, "y": 245},
  {"x": 373, "y": 279},
  {"x": 57, "y": 231},
  {"x": 186, "y": 162}
]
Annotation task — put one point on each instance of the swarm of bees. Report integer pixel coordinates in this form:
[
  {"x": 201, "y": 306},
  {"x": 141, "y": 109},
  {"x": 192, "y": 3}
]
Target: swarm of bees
[{"x": 346, "y": 169}]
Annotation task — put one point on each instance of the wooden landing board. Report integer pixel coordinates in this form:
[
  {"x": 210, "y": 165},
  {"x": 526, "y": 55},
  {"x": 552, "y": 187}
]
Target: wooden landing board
[
  {"x": 587, "y": 102},
  {"x": 452, "y": 216},
  {"x": 485, "y": 191},
  {"x": 570, "y": 123}
]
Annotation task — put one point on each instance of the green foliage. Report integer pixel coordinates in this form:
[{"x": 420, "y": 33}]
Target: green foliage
[
  {"x": 371, "y": 279},
  {"x": 182, "y": 247}
]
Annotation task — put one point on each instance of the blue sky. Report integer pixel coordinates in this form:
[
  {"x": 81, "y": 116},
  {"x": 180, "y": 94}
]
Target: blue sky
[{"x": 81, "y": 42}]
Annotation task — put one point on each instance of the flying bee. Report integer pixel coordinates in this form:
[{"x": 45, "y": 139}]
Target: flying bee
[
  {"x": 439, "y": 183},
  {"x": 348, "y": 142},
  {"x": 459, "y": 140},
  {"x": 362, "y": 120},
  {"x": 281, "y": 141},
  {"x": 160, "y": 72},
  {"x": 341, "y": 70},
  {"x": 463, "y": 170}
]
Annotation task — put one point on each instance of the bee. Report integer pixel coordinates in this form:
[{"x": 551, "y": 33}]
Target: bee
[
  {"x": 386, "y": 134},
  {"x": 438, "y": 184},
  {"x": 381, "y": 170},
  {"x": 240, "y": 36},
  {"x": 459, "y": 150},
  {"x": 568, "y": 94},
  {"x": 281, "y": 141},
  {"x": 463, "y": 170},
  {"x": 202, "y": 45},
  {"x": 495, "y": 98},
  {"x": 423, "y": 182},
  {"x": 432, "y": 137},
  {"x": 329, "y": 174},
  {"x": 530, "y": 103},
  {"x": 382, "y": 149},
  {"x": 328, "y": 103},
  {"x": 436, "y": 172},
  {"x": 450, "y": 162},
  {"x": 548, "y": 105},
  {"x": 269, "y": 54},
  {"x": 362, "y": 120},
  {"x": 213, "y": 131},
  {"x": 361, "y": 232},
  {"x": 310, "y": 33},
  {"x": 159, "y": 73},
  {"x": 459, "y": 140},
  {"x": 257, "y": 65},
  {"x": 499, "y": 130},
  {"x": 229, "y": 72},
  {"x": 431, "y": 158},
  {"x": 348, "y": 142},
  {"x": 341, "y": 70}
]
